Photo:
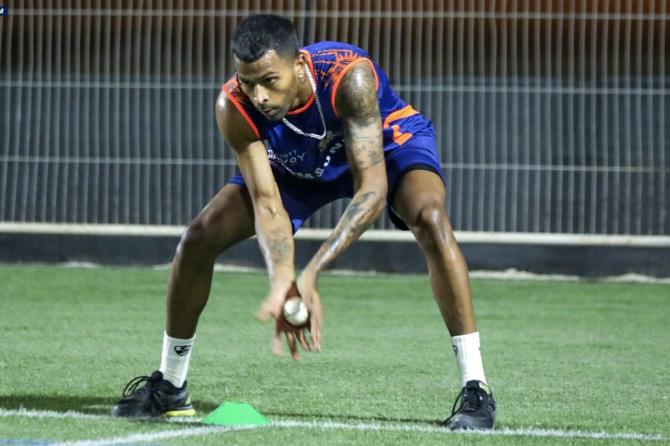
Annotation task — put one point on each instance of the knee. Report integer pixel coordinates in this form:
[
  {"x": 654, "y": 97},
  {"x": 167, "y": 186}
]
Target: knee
[
  {"x": 198, "y": 238},
  {"x": 431, "y": 228}
]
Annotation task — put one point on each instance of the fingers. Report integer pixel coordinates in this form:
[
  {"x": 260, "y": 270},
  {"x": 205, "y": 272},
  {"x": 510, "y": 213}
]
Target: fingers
[
  {"x": 271, "y": 307},
  {"x": 267, "y": 311},
  {"x": 303, "y": 340},
  {"x": 292, "y": 345},
  {"x": 262, "y": 315},
  {"x": 293, "y": 336},
  {"x": 277, "y": 344},
  {"x": 316, "y": 332}
]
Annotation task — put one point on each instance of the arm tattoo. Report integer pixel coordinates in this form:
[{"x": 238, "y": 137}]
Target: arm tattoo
[
  {"x": 358, "y": 216},
  {"x": 357, "y": 207},
  {"x": 279, "y": 248},
  {"x": 359, "y": 108},
  {"x": 376, "y": 156},
  {"x": 359, "y": 96}
]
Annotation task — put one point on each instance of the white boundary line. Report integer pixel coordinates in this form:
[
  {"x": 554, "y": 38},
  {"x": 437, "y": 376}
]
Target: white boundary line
[
  {"x": 90, "y": 229},
  {"x": 507, "y": 432},
  {"x": 29, "y": 413},
  {"x": 514, "y": 274},
  {"x": 153, "y": 436},
  {"x": 322, "y": 424},
  {"x": 374, "y": 235}
]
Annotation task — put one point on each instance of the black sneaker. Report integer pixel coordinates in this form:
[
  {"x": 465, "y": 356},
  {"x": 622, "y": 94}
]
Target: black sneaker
[
  {"x": 157, "y": 398},
  {"x": 477, "y": 408}
]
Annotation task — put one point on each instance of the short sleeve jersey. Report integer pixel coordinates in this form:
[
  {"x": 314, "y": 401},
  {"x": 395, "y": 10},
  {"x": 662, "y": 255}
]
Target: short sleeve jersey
[{"x": 323, "y": 160}]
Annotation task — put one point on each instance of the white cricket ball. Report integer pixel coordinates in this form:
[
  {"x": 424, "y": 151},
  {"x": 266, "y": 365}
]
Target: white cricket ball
[{"x": 295, "y": 312}]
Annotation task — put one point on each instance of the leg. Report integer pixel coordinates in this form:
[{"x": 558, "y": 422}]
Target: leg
[
  {"x": 226, "y": 220},
  {"x": 419, "y": 201}
]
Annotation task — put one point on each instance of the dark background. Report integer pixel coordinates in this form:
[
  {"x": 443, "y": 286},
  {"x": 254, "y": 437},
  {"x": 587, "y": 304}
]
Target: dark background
[{"x": 551, "y": 115}]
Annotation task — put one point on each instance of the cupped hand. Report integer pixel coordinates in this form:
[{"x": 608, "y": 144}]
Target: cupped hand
[
  {"x": 272, "y": 307},
  {"x": 310, "y": 296}
]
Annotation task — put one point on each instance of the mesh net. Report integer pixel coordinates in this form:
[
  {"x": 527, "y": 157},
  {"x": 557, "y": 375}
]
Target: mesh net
[{"x": 550, "y": 115}]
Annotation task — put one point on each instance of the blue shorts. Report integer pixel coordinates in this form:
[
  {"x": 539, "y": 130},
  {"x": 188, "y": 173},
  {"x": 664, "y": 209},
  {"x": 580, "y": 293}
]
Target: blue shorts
[{"x": 301, "y": 198}]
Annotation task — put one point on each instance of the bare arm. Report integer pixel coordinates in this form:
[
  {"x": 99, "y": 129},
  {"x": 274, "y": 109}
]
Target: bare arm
[
  {"x": 357, "y": 104},
  {"x": 273, "y": 227}
]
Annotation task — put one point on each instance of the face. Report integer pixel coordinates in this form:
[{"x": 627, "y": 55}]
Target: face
[{"x": 272, "y": 83}]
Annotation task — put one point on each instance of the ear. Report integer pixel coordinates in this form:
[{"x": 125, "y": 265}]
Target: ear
[{"x": 299, "y": 65}]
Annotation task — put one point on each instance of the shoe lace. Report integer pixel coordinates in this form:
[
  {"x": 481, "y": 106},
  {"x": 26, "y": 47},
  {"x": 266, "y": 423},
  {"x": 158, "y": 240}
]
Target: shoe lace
[
  {"x": 470, "y": 401},
  {"x": 134, "y": 383}
]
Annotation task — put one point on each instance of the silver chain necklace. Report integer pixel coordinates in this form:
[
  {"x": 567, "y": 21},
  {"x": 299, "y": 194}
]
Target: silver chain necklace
[{"x": 318, "y": 106}]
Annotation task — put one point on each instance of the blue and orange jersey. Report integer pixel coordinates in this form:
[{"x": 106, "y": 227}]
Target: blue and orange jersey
[{"x": 308, "y": 158}]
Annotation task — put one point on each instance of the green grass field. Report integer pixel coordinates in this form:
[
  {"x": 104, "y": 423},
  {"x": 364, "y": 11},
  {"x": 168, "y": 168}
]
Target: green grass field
[{"x": 569, "y": 362}]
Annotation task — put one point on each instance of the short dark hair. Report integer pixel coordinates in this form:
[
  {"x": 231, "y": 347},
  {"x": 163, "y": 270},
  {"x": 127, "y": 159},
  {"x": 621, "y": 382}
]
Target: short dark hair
[{"x": 259, "y": 33}]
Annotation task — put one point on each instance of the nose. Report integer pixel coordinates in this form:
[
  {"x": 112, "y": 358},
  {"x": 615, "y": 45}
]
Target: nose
[{"x": 260, "y": 94}]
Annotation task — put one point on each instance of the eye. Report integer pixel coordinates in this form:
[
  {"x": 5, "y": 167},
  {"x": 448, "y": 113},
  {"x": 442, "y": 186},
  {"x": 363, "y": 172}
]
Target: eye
[
  {"x": 270, "y": 80},
  {"x": 244, "y": 83}
]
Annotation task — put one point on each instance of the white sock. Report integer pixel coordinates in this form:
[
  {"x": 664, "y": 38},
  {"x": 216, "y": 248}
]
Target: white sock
[
  {"x": 468, "y": 357},
  {"x": 175, "y": 359}
]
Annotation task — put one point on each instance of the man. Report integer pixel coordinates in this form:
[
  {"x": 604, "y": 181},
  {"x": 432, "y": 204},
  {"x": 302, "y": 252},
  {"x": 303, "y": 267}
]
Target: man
[{"x": 309, "y": 126}]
